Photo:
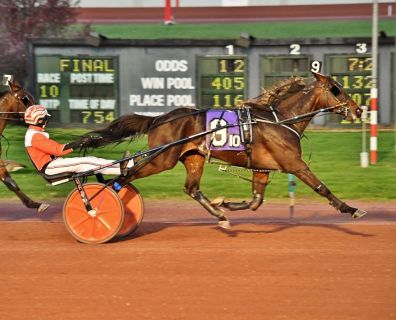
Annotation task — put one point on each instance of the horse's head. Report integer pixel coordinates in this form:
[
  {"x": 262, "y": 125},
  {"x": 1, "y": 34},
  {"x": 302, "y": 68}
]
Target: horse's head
[
  {"x": 17, "y": 101},
  {"x": 334, "y": 96}
]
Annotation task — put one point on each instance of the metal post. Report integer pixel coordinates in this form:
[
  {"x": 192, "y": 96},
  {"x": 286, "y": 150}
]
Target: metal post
[
  {"x": 374, "y": 90},
  {"x": 291, "y": 189},
  {"x": 364, "y": 155}
]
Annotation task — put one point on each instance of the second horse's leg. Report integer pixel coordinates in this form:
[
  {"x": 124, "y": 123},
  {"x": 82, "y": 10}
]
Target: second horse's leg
[
  {"x": 194, "y": 164},
  {"x": 12, "y": 185},
  {"x": 260, "y": 181},
  {"x": 310, "y": 179}
]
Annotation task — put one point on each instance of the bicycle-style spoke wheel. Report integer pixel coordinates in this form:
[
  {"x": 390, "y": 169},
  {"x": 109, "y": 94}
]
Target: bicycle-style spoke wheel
[
  {"x": 103, "y": 223},
  {"x": 133, "y": 209}
]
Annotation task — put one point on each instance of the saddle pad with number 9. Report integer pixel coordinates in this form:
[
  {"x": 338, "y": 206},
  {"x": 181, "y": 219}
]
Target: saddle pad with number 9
[{"x": 226, "y": 138}]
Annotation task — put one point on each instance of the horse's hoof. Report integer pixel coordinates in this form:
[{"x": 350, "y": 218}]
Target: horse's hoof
[
  {"x": 12, "y": 166},
  {"x": 358, "y": 214},
  {"x": 217, "y": 202},
  {"x": 225, "y": 224},
  {"x": 42, "y": 207}
]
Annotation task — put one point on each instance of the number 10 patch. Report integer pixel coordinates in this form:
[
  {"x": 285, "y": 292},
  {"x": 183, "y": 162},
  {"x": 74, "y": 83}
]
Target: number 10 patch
[{"x": 228, "y": 138}]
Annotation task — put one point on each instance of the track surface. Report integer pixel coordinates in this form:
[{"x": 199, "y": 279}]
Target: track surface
[
  {"x": 236, "y": 14},
  {"x": 179, "y": 265}
]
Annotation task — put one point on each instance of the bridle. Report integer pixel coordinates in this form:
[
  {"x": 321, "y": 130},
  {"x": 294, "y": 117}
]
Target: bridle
[
  {"x": 25, "y": 99},
  {"x": 341, "y": 108}
]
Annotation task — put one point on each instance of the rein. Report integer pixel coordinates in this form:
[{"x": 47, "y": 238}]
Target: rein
[
  {"x": 2, "y": 136},
  {"x": 11, "y": 112},
  {"x": 155, "y": 125},
  {"x": 290, "y": 121},
  {"x": 304, "y": 116}
]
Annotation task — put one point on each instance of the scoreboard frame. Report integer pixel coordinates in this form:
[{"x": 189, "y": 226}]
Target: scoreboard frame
[
  {"x": 264, "y": 83},
  {"x": 356, "y": 78},
  {"x": 133, "y": 56},
  {"x": 86, "y": 81},
  {"x": 228, "y": 86},
  {"x": 353, "y": 72}
]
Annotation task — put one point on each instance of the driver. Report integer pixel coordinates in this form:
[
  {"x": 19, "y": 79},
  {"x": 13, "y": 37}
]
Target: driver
[{"x": 46, "y": 154}]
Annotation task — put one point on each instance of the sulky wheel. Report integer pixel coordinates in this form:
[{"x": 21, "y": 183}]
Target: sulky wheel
[
  {"x": 133, "y": 208},
  {"x": 102, "y": 224}
]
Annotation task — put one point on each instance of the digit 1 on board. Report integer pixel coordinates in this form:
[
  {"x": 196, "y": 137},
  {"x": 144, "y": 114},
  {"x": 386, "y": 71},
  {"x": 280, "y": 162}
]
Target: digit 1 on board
[{"x": 230, "y": 49}]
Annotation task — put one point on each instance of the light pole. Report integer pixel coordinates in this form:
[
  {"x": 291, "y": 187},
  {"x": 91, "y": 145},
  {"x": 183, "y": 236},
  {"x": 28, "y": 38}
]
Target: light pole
[
  {"x": 374, "y": 89},
  {"x": 394, "y": 91}
]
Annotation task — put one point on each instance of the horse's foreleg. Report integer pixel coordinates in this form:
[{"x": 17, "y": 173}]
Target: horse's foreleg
[
  {"x": 12, "y": 185},
  {"x": 310, "y": 179},
  {"x": 218, "y": 213},
  {"x": 260, "y": 181},
  {"x": 194, "y": 164}
]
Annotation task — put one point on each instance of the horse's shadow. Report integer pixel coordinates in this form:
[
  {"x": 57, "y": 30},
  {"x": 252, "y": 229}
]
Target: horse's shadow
[
  {"x": 237, "y": 228},
  {"x": 282, "y": 227}
]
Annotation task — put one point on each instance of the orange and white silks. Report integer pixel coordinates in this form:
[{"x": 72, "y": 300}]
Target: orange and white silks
[
  {"x": 45, "y": 151},
  {"x": 41, "y": 148}
]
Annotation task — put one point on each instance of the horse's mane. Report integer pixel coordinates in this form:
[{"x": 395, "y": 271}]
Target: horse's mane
[
  {"x": 2, "y": 96},
  {"x": 278, "y": 92},
  {"x": 3, "y": 93}
]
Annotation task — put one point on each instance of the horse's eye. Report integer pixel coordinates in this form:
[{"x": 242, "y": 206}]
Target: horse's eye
[
  {"x": 25, "y": 100},
  {"x": 335, "y": 91}
]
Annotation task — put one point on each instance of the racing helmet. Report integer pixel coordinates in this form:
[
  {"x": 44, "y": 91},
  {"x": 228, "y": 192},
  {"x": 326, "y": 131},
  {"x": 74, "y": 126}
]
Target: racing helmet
[{"x": 35, "y": 113}]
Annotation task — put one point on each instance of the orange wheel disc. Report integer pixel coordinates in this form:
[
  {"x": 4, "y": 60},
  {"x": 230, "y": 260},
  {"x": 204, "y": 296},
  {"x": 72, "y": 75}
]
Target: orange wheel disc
[
  {"x": 133, "y": 208},
  {"x": 102, "y": 224}
]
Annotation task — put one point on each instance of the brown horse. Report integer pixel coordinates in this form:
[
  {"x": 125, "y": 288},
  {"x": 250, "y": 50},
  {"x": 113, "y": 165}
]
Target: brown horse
[
  {"x": 280, "y": 116},
  {"x": 13, "y": 104}
]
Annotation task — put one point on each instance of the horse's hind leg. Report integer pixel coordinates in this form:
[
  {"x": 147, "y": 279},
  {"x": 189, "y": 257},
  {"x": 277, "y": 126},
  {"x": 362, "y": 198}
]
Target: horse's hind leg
[
  {"x": 194, "y": 164},
  {"x": 12, "y": 185},
  {"x": 310, "y": 179},
  {"x": 260, "y": 181}
]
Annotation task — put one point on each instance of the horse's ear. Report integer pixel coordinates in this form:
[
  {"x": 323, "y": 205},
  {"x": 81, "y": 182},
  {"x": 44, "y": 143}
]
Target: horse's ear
[
  {"x": 11, "y": 85},
  {"x": 320, "y": 77},
  {"x": 14, "y": 85}
]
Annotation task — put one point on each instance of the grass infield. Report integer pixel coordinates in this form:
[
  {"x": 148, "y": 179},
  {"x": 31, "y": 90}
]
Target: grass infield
[
  {"x": 335, "y": 160},
  {"x": 262, "y": 30}
]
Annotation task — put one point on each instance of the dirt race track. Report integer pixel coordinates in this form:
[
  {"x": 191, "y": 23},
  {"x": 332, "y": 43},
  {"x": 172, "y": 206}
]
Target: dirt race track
[{"x": 179, "y": 265}]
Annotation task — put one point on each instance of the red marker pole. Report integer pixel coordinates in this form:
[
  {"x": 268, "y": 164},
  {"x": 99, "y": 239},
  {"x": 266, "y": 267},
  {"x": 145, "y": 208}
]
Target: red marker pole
[
  {"x": 168, "y": 19},
  {"x": 373, "y": 125}
]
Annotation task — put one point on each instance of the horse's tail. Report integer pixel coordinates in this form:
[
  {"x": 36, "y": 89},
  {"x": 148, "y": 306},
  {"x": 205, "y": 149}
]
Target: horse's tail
[{"x": 127, "y": 126}]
